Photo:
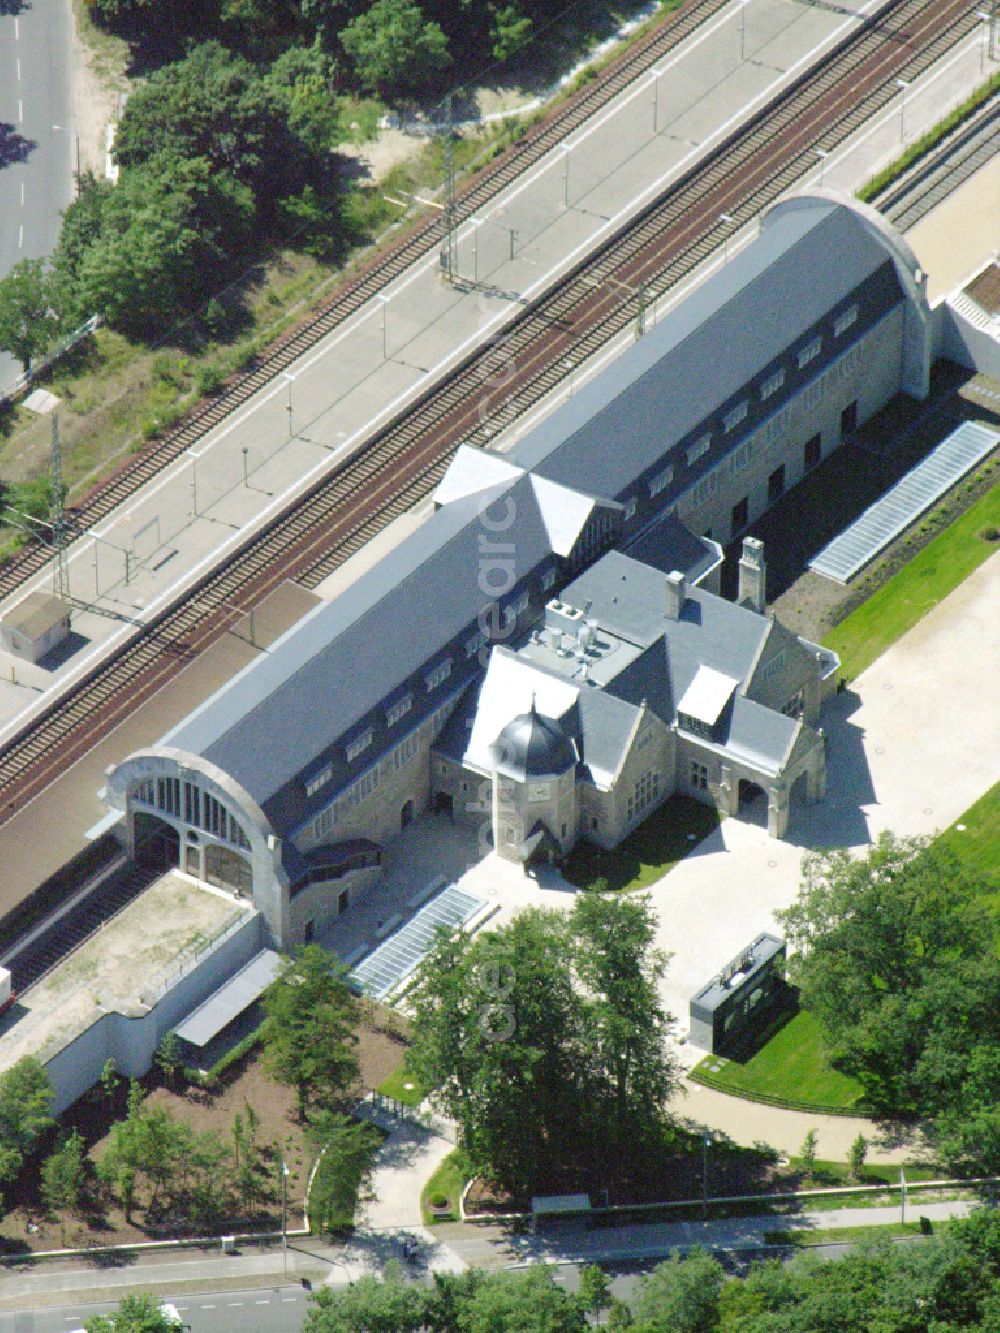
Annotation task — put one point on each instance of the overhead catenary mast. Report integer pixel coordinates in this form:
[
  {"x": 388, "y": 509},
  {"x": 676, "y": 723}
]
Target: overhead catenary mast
[
  {"x": 449, "y": 214},
  {"x": 57, "y": 518}
]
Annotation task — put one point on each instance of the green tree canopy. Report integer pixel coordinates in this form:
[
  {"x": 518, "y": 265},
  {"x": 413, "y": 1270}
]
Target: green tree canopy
[
  {"x": 28, "y": 315},
  {"x": 395, "y": 49},
  {"x": 896, "y": 956},
  {"x": 309, "y": 1032},
  {"x": 680, "y": 1295},
  {"x": 135, "y": 1314},
  {"x": 369, "y": 1305},
  {"x": 552, "y": 1021},
  {"x": 345, "y": 1151},
  {"x": 25, "y": 1112}
]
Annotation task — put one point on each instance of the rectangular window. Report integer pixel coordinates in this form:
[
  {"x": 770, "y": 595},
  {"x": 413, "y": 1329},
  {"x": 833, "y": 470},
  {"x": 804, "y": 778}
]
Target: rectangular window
[
  {"x": 548, "y": 579},
  {"x": 849, "y": 419},
  {"x": 473, "y": 645},
  {"x": 516, "y": 607},
  {"x": 322, "y": 824},
  {"x": 439, "y": 675},
  {"x": 630, "y": 509},
  {"x": 734, "y": 416},
  {"x": 772, "y": 384},
  {"x": 319, "y": 780},
  {"x": 661, "y": 481},
  {"x": 741, "y": 515},
  {"x": 844, "y": 320},
  {"x": 776, "y": 484},
  {"x": 810, "y": 352},
  {"x": 812, "y": 452},
  {"x": 699, "y": 776},
  {"x": 700, "y": 447},
  {"x": 359, "y": 744},
  {"x": 399, "y": 709}
]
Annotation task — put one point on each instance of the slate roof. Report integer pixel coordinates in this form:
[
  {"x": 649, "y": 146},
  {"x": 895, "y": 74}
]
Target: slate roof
[
  {"x": 688, "y": 366},
  {"x": 345, "y": 657}
]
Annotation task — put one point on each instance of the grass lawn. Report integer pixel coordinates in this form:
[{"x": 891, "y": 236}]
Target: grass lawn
[
  {"x": 402, "y": 1086},
  {"x": 842, "y": 1235},
  {"x": 648, "y": 852},
  {"x": 791, "y": 1067},
  {"x": 897, "y": 606},
  {"x": 975, "y": 840},
  {"x": 447, "y": 1182}
]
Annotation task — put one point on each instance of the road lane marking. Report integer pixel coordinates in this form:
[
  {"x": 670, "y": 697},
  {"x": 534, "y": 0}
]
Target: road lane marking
[
  {"x": 20, "y": 112},
  {"x": 20, "y": 236},
  {"x": 19, "y": 69},
  {"x": 22, "y": 194}
]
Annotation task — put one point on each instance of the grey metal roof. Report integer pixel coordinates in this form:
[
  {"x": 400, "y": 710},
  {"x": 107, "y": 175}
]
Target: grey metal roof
[
  {"x": 911, "y": 496},
  {"x": 342, "y": 659},
  {"x": 395, "y": 959},
  {"x": 735, "y": 975},
  {"x": 699, "y": 357},
  {"x": 667, "y": 544},
  {"x": 762, "y": 735},
  {"x": 36, "y": 614},
  {"x": 230, "y": 1000},
  {"x": 605, "y": 729}
]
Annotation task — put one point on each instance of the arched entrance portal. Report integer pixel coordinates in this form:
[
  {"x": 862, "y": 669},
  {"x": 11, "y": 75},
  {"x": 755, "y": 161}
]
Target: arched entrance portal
[
  {"x": 157, "y": 843},
  {"x": 444, "y": 803},
  {"x": 753, "y": 803},
  {"x": 406, "y": 815},
  {"x": 227, "y": 869}
]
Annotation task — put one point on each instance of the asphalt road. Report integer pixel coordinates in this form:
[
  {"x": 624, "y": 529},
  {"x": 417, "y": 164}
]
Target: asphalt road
[
  {"x": 278, "y": 1311},
  {"x": 37, "y": 144}
]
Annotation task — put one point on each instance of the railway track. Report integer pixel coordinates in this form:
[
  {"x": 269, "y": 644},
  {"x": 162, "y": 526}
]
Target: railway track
[
  {"x": 383, "y": 269},
  {"x": 405, "y": 459},
  {"x": 958, "y": 157}
]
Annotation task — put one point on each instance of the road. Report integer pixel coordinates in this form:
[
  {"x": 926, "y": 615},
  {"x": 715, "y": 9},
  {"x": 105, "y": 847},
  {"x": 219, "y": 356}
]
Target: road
[
  {"x": 280, "y": 1310},
  {"x": 36, "y": 136}
]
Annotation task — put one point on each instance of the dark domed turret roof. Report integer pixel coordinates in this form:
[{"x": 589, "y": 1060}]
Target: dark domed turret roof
[{"x": 532, "y": 746}]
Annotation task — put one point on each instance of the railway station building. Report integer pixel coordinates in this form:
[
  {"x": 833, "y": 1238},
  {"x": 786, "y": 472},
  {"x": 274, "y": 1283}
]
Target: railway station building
[{"x": 551, "y": 635}]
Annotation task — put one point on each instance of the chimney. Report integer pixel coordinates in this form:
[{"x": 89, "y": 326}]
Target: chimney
[
  {"x": 675, "y": 594},
  {"x": 753, "y": 576}
]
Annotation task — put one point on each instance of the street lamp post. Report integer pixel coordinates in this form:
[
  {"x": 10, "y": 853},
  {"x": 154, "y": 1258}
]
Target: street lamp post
[
  {"x": 194, "y": 482},
  {"x": 902, "y": 85},
  {"x": 656, "y": 100},
  {"x": 565, "y": 149},
  {"x": 981, "y": 14},
  {"x": 284, "y": 1216},
  {"x": 385, "y": 321},
  {"x": 246, "y": 474},
  {"x": 822, "y": 154},
  {"x": 743, "y": 9},
  {"x": 288, "y": 408},
  {"x": 476, "y": 224},
  {"x": 705, "y": 1141}
]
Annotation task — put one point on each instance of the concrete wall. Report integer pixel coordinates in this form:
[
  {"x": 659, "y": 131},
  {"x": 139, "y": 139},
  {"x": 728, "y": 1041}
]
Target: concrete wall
[
  {"x": 131, "y": 1040},
  {"x": 960, "y": 339},
  {"x": 319, "y": 903}
]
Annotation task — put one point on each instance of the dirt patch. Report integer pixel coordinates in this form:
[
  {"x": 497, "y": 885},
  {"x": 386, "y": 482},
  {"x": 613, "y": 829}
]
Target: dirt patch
[
  {"x": 27, "y": 1228},
  {"x": 97, "y": 79},
  {"x": 985, "y": 290}
]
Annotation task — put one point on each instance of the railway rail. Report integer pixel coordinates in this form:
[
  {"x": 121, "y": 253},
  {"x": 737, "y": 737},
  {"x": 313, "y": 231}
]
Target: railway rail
[
  {"x": 387, "y": 264},
  {"x": 954, "y": 161},
  {"x": 405, "y": 459}
]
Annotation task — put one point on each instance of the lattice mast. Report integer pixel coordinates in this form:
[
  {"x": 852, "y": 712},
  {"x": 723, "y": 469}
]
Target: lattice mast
[{"x": 57, "y": 518}]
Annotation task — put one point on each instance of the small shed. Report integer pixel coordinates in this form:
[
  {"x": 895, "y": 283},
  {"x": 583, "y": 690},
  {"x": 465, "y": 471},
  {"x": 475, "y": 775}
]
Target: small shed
[
  {"x": 34, "y": 626},
  {"x": 742, "y": 998},
  {"x": 230, "y": 1013},
  {"x": 555, "y": 1209}
]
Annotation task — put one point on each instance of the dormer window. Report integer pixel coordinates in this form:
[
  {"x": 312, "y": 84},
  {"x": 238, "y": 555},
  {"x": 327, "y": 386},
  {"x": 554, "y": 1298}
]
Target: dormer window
[
  {"x": 699, "y": 447},
  {"x": 772, "y": 384},
  {"x": 810, "y": 352},
  {"x": 318, "y": 780},
  {"x": 734, "y": 416},
  {"x": 844, "y": 320},
  {"x": 439, "y": 675},
  {"x": 359, "y": 744},
  {"x": 399, "y": 709},
  {"x": 661, "y": 481}
]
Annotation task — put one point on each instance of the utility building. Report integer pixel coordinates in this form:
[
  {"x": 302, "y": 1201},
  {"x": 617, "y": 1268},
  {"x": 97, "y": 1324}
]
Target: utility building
[{"x": 547, "y": 650}]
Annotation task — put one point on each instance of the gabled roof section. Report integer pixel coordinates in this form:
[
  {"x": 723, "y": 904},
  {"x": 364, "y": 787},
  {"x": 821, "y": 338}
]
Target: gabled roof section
[
  {"x": 565, "y": 512},
  {"x": 341, "y": 660},
  {"x": 606, "y": 727},
  {"x": 761, "y": 735},
  {"x": 473, "y": 471},
  {"x": 682, "y": 370}
]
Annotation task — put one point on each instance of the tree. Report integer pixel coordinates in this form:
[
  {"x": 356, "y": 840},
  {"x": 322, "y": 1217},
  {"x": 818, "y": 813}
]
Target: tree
[
  {"x": 309, "y": 1028},
  {"x": 394, "y": 48},
  {"x": 110, "y": 1080},
  {"x": 168, "y": 1057},
  {"x": 345, "y": 1151},
  {"x": 547, "y": 1022},
  {"x": 64, "y": 1173},
  {"x": 25, "y": 1112},
  {"x": 895, "y": 955},
  {"x": 135, "y": 1314},
  {"x": 807, "y": 1153},
  {"x": 28, "y": 317},
  {"x": 391, "y": 1305},
  {"x": 510, "y": 30},
  {"x": 529, "y": 1302},
  {"x": 680, "y": 1295},
  {"x": 595, "y": 1289},
  {"x": 856, "y": 1157}
]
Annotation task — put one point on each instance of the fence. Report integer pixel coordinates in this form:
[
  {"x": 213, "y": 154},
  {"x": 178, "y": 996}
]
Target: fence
[
  {"x": 167, "y": 980},
  {"x": 25, "y": 380}
]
